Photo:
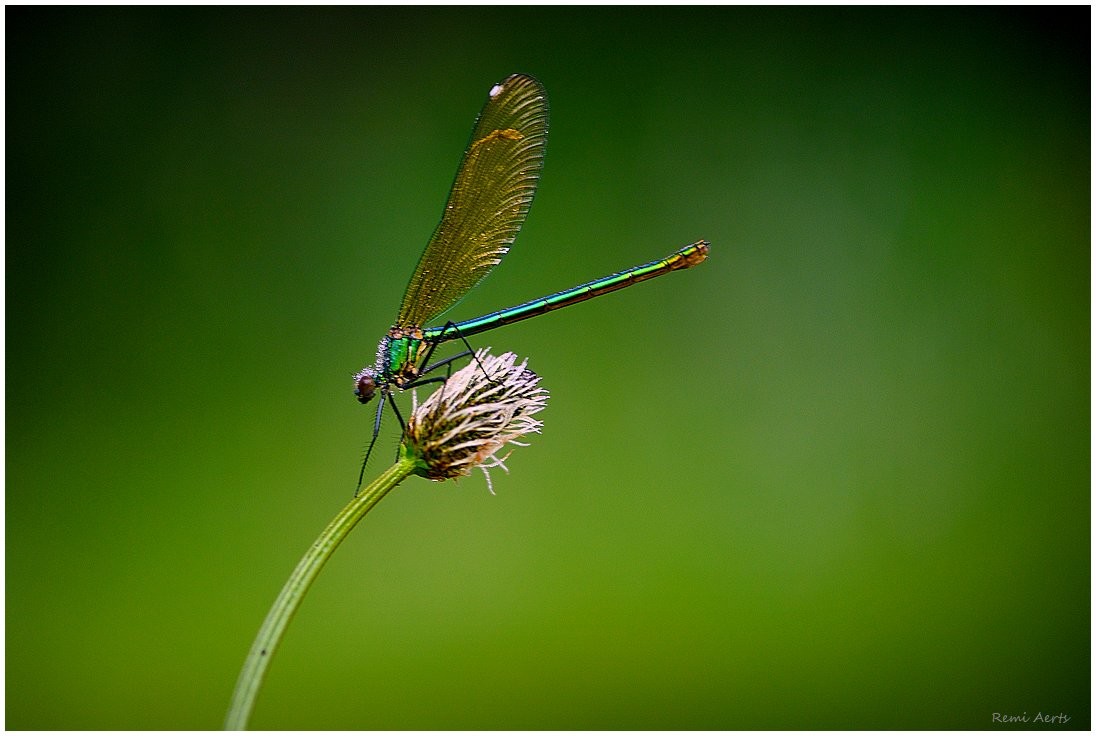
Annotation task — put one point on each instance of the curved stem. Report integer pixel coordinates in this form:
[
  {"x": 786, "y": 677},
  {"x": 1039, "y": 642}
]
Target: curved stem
[{"x": 270, "y": 634}]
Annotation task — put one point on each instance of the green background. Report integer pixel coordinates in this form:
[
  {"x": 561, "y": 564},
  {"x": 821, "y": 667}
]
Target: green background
[{"x": 838, "y": 476}]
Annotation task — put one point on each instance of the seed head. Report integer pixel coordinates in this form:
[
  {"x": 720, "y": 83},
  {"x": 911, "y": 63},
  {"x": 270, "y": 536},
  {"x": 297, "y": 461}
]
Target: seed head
[{"x": 478, "y": 410}]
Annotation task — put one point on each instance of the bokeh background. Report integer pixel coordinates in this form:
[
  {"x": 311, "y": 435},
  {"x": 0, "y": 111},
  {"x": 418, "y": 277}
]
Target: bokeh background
[{"x": 837, "y": 477}]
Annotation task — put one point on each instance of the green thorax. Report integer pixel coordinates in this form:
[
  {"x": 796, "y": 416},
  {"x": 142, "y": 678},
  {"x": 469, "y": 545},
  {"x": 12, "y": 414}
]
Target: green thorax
[{"x": 399, "y": 353}]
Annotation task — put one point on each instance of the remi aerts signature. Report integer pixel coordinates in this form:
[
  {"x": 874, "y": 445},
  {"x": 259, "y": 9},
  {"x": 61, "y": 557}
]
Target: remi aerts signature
[{"x": 1059, "y": 719}]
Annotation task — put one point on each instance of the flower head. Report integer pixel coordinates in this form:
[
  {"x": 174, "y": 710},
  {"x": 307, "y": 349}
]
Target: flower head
[{"x": 478, "y": 410}]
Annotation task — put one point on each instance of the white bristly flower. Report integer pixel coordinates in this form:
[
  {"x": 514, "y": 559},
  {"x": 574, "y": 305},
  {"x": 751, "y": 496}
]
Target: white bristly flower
[{"x": 480, "y": 409}]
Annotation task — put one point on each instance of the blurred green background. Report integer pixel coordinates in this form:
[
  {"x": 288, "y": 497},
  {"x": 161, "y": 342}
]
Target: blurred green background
[{"x": 837, "y": 477}]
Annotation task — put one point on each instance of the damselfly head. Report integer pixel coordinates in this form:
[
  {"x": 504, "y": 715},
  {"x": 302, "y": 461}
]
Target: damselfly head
[{"x": 365, "y": 385}]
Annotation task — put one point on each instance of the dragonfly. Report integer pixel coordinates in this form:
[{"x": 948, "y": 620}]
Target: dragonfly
[{"x": 487, "y": 205}]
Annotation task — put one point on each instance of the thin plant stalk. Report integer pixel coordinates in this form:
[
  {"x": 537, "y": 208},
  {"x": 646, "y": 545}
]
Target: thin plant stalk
[
  {"x": 270, "y": 634},
  {"x": 480, "y": 409}
]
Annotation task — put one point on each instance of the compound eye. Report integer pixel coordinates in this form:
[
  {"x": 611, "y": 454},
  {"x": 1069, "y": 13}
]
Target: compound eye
[{"x": 364, "y": 388}]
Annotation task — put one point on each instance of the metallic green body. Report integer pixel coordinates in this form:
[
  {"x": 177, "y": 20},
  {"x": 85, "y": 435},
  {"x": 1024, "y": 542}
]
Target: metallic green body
[
  {"x": 688, "y": 256},
  {"x": 401, "y": 350}
]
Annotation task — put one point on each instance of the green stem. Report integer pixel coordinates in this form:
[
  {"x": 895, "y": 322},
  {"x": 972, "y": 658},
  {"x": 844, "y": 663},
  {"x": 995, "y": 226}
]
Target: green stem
[{"x": 270, "y": 634}]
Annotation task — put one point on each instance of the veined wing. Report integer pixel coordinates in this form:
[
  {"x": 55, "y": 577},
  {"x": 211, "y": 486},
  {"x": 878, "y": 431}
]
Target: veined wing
[{"x": 488, "y": 201}]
